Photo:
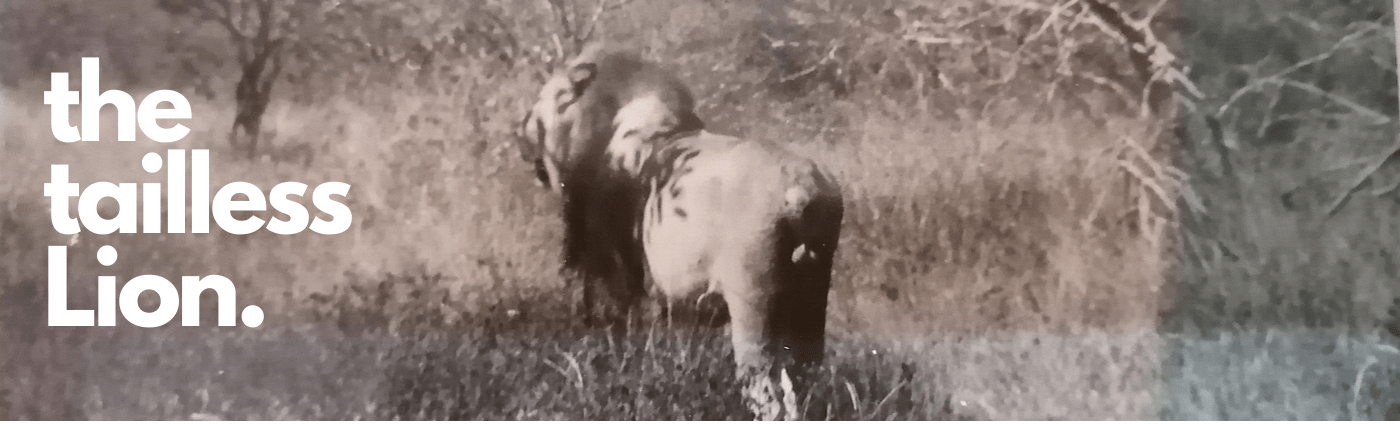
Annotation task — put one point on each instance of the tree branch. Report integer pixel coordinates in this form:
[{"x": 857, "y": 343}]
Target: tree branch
[
  {"x": 274, "y": 52},
  {"x": 1365, "y": 175},
  {"x": 1379, "y": 118},
  {"x": 592, "y": 24},
  {"x": 1277, "y": 78},
  {"x": 561, "y": 14}
]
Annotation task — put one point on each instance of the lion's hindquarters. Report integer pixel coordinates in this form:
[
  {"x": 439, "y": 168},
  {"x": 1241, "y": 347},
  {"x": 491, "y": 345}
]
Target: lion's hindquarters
[
  {"x": 708, "y": 211},
  {"x": 757, "y": 224}
]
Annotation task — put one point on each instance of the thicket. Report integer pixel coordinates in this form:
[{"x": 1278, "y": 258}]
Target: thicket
[{"x": 1288, "y": 135}]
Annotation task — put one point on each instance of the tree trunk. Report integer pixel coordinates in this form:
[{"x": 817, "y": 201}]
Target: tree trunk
[{"x": 252, "y": 95}]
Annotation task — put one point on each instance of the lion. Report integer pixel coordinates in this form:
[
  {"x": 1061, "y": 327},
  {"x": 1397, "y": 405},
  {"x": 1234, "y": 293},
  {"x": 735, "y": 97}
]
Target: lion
[{"x": 648, "y": 192}]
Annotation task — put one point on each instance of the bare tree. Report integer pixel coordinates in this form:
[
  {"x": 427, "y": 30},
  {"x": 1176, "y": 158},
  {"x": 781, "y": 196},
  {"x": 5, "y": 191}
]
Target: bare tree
[{"x": 258, "y": 30}]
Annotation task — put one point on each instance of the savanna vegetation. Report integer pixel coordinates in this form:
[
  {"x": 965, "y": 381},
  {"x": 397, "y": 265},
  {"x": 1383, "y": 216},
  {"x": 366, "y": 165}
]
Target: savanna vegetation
[{"x": 1075, "y": 209}]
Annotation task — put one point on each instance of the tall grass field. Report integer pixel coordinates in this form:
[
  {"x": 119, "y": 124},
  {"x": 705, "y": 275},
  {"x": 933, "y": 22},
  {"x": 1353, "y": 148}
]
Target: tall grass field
[{"x": 1036, "y": 254}]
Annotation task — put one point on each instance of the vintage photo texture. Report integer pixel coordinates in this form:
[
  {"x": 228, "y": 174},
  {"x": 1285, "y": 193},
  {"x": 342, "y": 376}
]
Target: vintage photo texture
[{"x": 1048, "y": 209}]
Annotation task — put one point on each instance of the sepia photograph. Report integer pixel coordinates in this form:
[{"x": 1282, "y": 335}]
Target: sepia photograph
[{"x": 623, "y": 210}]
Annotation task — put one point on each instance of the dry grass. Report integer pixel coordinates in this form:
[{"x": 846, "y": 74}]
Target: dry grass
[
  {"x": 991, "y": 268},
  {"x": 434, "y": 195}
]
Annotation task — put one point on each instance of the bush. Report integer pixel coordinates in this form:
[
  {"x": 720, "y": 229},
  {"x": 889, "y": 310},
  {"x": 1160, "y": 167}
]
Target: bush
[{"x": 1295, "y": 101}]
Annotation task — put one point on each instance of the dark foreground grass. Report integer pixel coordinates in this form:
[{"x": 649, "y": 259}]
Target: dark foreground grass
[{"x": 399, "y": 359}]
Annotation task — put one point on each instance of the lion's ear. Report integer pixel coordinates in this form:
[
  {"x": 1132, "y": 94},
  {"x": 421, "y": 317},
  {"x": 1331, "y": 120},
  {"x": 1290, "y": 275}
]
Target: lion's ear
[{"x": 582, "y": 74}]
